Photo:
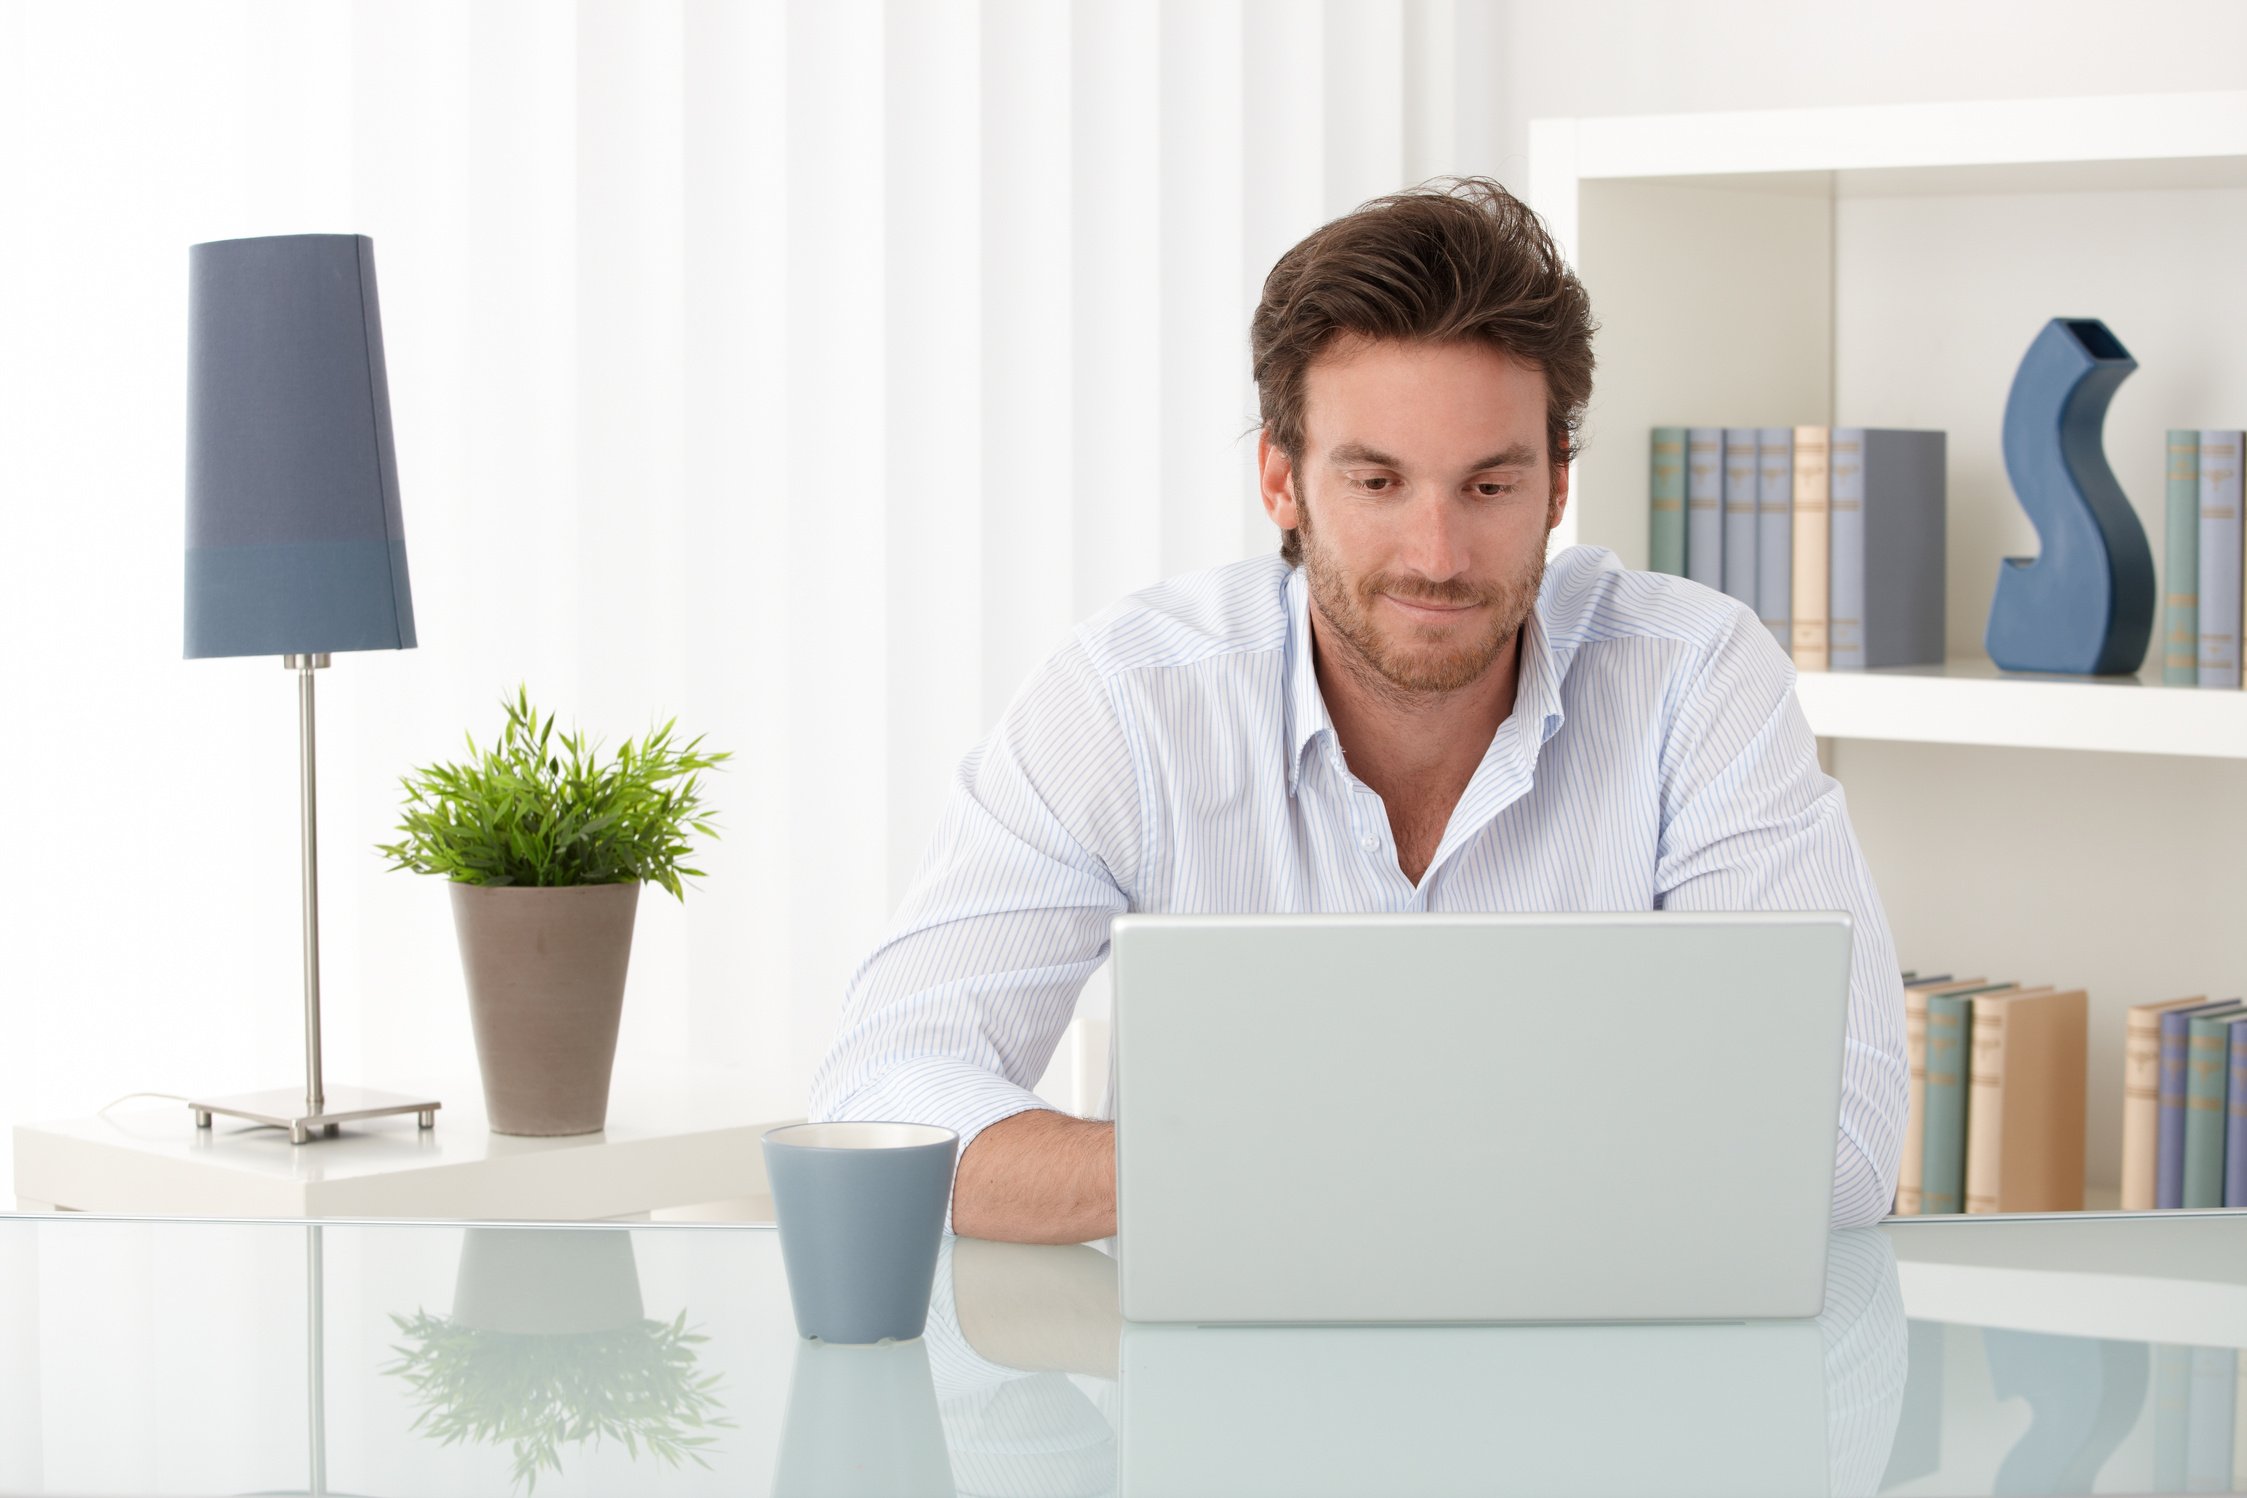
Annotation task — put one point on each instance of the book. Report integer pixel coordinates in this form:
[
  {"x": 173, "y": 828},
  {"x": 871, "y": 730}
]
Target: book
[
  {"x": 2219, "y": 558},
  {"x": 2024, "y": 1114},
  {"x": 1808, "y": 595},
  {"x": 2207, "y": 1067},
  {"x": 1774, "y": 547},
  {"x": 1885, "y": 500},
  {"x": 2235, "y": 1118},
  {"x": 1704, "y": 506},
  {"x": 2180, "y": 650},
  {"x": 1908, "y": 1166},
  {"x": 1740, "y": 481},
  {"x": 2169, "y": 1149},
  {"x": 1942, "y": 1167},
  {"x": 1665, "y": 535},
  {"x": 2141, "y": 1098},
  {"x": 1915, "y": 1105}
]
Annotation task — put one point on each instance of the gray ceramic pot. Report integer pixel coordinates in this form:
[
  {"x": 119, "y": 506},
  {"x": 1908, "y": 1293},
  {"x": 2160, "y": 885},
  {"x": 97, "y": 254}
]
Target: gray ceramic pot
[{"x": 545, "y": 974}]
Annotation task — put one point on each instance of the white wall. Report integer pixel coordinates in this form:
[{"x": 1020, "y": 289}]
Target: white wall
[
  {"x": 802, "y": 368},
  {"x": 699, "y": 312},
  {"x": 1599, "y": 57},
  {"x": 2119, "y": 872}
]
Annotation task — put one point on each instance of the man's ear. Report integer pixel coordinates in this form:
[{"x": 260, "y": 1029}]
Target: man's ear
[
  {"x": 1275, "y": 482},
  {"x": 1558, "y": 505}
]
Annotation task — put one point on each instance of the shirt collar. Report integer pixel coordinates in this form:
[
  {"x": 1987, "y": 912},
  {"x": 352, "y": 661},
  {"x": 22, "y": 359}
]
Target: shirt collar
[
  {"x": 1306, "y": 709},
  {"x": 1536, "y": 689}
]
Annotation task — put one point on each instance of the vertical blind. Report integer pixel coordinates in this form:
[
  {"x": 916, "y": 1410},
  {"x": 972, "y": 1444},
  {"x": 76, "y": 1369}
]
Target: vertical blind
[{"x": 802, "y": 368}]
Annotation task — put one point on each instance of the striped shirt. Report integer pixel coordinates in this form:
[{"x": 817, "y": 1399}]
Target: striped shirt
[{"x": 1176, "y": 756}]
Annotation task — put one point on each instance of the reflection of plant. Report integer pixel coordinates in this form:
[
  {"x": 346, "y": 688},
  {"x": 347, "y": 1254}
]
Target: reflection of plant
[{"x": 633, "y": 1384}]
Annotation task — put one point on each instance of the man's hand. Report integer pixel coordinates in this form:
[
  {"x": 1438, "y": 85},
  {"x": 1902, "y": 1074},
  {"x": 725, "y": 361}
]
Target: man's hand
[{"x": 1038, "y": 1177}]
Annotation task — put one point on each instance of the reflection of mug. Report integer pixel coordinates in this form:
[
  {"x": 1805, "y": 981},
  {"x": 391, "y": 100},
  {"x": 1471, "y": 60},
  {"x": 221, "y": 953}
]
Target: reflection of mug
[
  {"x": 861, "y": 1211},
  {"x": 862, "y": 1423}
]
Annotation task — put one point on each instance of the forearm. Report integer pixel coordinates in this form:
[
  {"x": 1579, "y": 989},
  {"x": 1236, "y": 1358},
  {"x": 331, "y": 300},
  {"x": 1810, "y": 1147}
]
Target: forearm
[{"x": 1038, "y": 1177}]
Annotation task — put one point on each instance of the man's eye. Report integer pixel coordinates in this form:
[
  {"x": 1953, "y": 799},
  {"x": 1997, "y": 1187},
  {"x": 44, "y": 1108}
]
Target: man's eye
[
  {"x": 1373, "y": 485},
  {"x": 1493, "y": 491}
]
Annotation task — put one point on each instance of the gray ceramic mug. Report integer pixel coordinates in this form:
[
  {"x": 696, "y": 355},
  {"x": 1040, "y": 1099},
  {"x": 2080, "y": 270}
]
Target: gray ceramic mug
[{"x": 861, "y": 1210}]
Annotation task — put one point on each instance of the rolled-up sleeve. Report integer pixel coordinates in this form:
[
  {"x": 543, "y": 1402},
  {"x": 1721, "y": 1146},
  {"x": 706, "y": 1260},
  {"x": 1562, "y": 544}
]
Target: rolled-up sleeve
[
  {"x": 955, "y": 1015},
  {"x": 1750, "y": 822}
]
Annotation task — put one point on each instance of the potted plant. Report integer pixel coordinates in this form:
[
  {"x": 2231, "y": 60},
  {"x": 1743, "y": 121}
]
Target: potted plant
[{"x": 546, "y": 849}]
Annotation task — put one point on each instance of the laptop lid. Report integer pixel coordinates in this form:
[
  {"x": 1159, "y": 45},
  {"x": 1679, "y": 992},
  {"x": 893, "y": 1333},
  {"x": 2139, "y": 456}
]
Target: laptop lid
[{"x": 1476, "y": 1117}]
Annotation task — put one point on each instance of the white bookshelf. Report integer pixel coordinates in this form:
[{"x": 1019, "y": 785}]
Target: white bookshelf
[
  {"x": 1889, "y": 266},
  {"x": 1972, "y": 702},
  {"x": 1754, "y": 267}
]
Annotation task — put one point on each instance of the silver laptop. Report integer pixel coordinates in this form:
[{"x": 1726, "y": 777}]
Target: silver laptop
[{"x": 1476, "y": 1117}]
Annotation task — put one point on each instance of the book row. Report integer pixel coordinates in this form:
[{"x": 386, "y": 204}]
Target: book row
[
  {"x": 2184, "y": 1104},
  {"x": 1835, "y": 537},
  {"x": 2199, "y": 1405},
  {"x": 2200, "y": 623},
  {"x": 1995, "y": 1118}
]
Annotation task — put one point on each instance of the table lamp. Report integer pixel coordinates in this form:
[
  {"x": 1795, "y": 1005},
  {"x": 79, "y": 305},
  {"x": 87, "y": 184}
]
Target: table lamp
[{"x": 295, "y": 545}]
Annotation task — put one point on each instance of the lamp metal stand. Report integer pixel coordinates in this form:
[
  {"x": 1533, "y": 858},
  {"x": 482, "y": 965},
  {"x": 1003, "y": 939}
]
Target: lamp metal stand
[{"x": 313, "y": 1113}]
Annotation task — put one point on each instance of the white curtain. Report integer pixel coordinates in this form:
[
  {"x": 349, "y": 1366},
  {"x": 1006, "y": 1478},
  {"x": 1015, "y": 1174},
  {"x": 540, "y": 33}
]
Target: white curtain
[{"x": 800, "y": 368}]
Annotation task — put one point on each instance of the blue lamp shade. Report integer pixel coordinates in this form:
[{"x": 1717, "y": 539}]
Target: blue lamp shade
[{"x": 295, "y": 542}]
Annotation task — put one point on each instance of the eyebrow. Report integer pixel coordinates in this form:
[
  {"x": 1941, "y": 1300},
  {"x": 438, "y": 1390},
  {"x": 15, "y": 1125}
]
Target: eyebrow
[{"x": 1520, "y": 455}]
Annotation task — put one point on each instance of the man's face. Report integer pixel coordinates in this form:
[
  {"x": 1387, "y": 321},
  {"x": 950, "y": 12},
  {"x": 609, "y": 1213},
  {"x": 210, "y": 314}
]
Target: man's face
[{"x": 1424, "y": 496}]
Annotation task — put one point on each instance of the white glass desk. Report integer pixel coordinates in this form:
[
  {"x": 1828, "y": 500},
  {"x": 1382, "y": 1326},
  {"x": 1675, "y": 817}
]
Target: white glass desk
[{"x": 1955, "y": 1356}]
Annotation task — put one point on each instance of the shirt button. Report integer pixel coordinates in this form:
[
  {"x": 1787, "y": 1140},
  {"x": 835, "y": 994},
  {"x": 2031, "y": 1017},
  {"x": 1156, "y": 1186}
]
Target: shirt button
[{"x": 1372, "y": 843}]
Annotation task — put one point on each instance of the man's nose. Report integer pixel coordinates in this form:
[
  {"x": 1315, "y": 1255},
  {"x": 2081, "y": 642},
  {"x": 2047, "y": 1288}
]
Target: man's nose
[{"x": 1436, "y": 538}]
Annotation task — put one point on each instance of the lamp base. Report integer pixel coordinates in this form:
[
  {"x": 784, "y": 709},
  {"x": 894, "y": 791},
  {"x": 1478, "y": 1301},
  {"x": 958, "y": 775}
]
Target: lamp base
[{"x": 283, "y": 1108}]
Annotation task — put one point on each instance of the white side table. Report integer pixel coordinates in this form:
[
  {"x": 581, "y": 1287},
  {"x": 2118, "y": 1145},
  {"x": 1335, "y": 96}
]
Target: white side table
[{"x": 677, "y": 1145}]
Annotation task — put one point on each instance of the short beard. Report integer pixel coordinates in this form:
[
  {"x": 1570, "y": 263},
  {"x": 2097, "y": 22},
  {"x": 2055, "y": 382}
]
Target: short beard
[{"x": 1405, "y": 674}]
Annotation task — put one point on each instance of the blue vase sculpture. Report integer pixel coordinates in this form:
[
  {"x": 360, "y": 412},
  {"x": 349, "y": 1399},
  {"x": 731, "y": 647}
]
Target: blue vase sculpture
[{"x": 2084, "y": 604}]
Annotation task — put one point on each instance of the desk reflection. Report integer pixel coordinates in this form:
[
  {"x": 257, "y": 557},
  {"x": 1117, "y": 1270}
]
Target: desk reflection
[
  {"x": 548, "y": 1347},
  {"x": 1042, "y": 1388},
  {"x": 147, "y": 1357}
]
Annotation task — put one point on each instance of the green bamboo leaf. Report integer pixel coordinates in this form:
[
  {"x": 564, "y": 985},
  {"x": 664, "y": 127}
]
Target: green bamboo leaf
[{"x": 515, "y": 812}]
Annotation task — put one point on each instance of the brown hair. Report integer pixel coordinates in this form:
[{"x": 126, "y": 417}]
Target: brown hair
[{"x": 1455, "y": 258}]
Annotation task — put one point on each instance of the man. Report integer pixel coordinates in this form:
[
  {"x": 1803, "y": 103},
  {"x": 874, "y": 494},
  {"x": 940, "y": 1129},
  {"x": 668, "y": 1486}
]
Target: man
[{"x": 1402, "y": 711}]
